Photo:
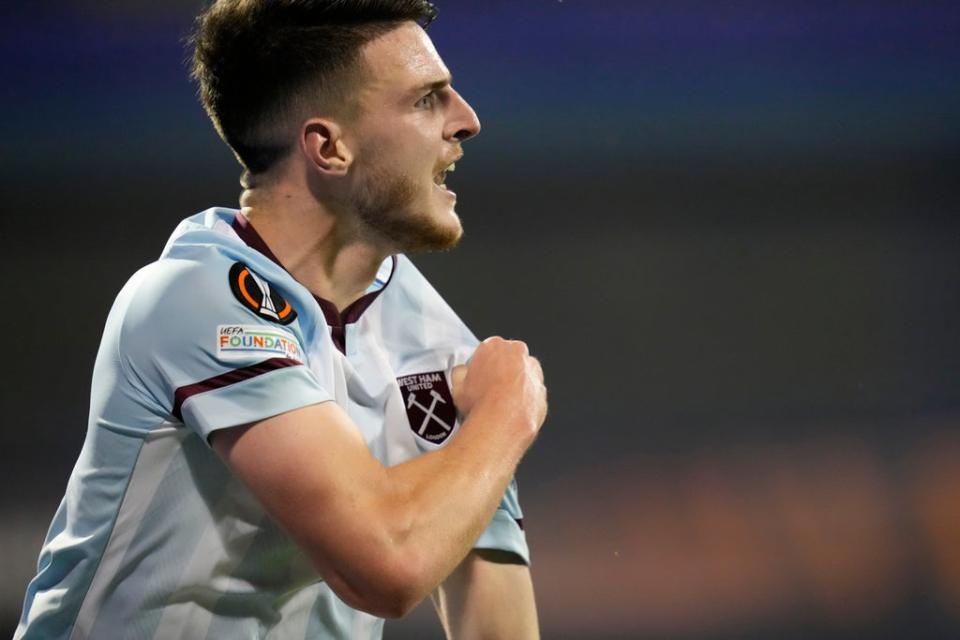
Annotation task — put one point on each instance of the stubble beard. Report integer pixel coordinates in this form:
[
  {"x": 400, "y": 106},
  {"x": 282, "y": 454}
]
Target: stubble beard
[{"x": 386, "y": 207}]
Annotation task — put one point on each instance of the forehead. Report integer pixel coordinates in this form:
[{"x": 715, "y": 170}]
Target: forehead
[{"x": 402, "y": 60}]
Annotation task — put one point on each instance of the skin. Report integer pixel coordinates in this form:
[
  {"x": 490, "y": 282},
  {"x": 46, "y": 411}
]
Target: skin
[
  {"x": 360, "y": 188},
  {"x": 355, "y": 190},
  {"x": 487, "y": 596}
]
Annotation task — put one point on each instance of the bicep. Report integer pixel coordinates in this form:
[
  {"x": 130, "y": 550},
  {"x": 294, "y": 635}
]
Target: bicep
[
  {"x": 312, "y": 472},
  {"x": 489, "y": 595}
]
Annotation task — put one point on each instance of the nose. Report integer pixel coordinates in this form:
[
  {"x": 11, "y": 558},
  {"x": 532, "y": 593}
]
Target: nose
[{"x": 463, "y": 123}]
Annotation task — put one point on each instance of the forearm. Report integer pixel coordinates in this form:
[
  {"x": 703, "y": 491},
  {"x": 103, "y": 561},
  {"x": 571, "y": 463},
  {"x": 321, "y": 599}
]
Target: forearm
[
  {"x": 383, "y": 538},
  {"x": 438, "y": 504},
  {"x": 488, "y": 597}
]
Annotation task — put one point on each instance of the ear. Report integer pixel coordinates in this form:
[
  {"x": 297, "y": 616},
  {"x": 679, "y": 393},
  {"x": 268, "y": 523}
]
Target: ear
[{"x": 322, "y": 143}]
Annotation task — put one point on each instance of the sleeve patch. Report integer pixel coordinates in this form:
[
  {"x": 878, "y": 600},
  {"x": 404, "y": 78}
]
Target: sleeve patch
[
  {"x": 256, "y": 294},
  {"x": 242, "y": 342}
]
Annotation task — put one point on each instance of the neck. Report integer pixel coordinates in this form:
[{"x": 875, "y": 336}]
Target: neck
[{"x": 318, "y": 247}]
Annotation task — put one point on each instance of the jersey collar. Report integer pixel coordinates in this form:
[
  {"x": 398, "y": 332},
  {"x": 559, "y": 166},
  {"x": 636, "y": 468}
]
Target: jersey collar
[{"x": 336, "y": 320}]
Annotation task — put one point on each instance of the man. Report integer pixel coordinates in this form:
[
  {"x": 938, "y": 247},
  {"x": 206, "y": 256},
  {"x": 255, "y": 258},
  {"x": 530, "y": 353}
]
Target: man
[{"x": 273, "y": 449}]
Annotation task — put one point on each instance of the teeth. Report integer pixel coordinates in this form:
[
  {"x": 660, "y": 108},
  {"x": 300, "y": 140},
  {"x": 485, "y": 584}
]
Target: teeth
[{"x": 441, "y": 178}]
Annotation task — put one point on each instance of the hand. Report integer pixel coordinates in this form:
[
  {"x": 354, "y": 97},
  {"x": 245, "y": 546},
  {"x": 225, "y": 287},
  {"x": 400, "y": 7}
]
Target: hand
[{"x": 502, "y": 375}]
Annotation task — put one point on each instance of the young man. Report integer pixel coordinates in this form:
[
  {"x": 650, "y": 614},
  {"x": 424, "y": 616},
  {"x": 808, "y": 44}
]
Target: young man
[{"x": 291, "y": 434}]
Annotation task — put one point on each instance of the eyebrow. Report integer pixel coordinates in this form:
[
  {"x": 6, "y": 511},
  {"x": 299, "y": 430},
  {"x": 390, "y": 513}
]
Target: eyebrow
[{"x": 436, "y": 84}]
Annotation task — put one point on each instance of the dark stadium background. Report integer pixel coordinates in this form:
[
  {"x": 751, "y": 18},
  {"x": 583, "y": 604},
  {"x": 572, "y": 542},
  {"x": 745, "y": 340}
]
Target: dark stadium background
[{"x": 730, "y": 230}]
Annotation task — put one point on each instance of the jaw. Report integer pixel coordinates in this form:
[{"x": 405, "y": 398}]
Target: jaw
[
  {"x": 404, "y": 214},
  {"x": 424, "y": 225}
]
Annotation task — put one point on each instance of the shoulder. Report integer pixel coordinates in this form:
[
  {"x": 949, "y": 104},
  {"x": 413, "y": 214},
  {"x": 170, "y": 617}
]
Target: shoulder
[
  {"x": 176, "y": 290},
  {"x": 186, "y": 311},
  {"x": 216, "y": 287},
  {"x": 185, "y": 331},
  {"x": 206, "y": 266}
]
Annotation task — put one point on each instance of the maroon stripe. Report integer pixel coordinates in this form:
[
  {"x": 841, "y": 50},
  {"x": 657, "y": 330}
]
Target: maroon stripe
[{"x": 226, "y": 379}]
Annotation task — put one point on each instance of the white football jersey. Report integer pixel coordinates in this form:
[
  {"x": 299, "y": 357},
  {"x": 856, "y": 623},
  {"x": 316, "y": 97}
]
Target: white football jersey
[{"x": 155, "y": 538}]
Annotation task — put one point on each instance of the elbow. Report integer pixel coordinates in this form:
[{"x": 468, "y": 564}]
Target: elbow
[
  {"x": 393, "y": 585},
  {"x": 401, "y": 585},
  {"x": 396, "y": 604}
]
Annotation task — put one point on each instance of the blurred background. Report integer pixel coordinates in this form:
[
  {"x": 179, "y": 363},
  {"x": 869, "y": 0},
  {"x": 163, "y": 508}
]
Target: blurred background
[{"x": 730, "y": 230}]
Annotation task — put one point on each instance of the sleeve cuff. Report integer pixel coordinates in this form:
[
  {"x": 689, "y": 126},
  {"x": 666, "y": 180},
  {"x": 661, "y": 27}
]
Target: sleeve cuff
[
  {"x": 253, "y": 399},
  {"x": 504, "y": 534}
]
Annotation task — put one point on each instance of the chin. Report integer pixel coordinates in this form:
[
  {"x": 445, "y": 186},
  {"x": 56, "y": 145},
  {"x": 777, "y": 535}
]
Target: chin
[
  {"x": 430, "y": 229},
  {"x": 437, "y": 237},
  {"x": 412, "y": 219}
]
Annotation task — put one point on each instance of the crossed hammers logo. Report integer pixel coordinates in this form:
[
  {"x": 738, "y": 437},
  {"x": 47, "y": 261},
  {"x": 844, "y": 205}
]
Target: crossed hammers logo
[{"x": 436, "y": 397}]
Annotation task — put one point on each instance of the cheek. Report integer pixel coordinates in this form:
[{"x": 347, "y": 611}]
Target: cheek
[
  {"x": 407, "y": 150},
  {"x": 405, "y": 164}
]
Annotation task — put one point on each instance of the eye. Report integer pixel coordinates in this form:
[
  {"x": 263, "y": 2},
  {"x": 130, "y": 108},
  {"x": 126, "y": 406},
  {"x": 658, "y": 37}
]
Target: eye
[{"x": 427, "y": 101}]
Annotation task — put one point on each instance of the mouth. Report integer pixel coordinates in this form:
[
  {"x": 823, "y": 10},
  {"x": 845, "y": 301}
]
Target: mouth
[{"x": 440, "y": 178}]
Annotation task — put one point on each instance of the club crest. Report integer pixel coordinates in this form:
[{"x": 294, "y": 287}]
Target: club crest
[{"x": 429, "y": 405}]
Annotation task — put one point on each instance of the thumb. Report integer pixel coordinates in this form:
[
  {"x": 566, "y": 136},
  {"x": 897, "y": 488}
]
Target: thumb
[{"x": 457, "y": 375}]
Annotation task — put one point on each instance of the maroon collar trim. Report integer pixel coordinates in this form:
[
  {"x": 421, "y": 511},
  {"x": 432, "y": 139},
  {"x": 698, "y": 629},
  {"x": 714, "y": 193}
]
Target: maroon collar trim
[
  {"x": 252, "y": 239},
  {"x": 336, "y": 320}
]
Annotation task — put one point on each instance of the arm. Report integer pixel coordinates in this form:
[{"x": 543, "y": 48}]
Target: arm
[
  {"x": 384, "y": 538},
  {"x": 489, "y": 596}
]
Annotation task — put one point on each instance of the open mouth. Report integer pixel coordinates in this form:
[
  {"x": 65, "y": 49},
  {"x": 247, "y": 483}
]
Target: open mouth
[{"x": 441, "y": 178}]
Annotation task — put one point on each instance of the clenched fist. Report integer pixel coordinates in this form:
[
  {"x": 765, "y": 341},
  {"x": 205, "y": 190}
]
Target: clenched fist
[{"x": 502, "y": 378}]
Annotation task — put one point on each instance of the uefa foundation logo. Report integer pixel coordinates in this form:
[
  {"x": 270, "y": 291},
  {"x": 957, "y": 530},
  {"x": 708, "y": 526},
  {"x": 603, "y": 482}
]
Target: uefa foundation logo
[{"x": 429, "y": 405}]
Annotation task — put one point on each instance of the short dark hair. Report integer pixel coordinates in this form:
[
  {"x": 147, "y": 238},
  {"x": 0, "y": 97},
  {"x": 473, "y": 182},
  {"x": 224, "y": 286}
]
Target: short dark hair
[{"x": 255, "y": 59}]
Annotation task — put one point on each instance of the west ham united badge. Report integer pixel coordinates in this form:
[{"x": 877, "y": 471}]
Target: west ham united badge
[{"x": 429, "y": 405}]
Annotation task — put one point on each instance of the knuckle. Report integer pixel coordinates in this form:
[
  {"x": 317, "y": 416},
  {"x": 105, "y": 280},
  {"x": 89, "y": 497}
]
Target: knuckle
[{"x": 518, "y": 346}]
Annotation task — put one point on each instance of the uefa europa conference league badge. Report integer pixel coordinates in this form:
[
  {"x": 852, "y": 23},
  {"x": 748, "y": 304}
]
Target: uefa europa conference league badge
[
  {"x": 429, "y": 405},
  {"x": 255, "y": 293}
]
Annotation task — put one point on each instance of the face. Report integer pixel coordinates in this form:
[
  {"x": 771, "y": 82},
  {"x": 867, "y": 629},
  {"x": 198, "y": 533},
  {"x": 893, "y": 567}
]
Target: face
[{"x": 408, "y": 135}]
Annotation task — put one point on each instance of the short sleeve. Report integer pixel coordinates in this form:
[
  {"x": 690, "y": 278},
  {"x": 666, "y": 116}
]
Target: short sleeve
[
  {"x": 205, "y": 356},
  {"x": 505, "y": 531}
]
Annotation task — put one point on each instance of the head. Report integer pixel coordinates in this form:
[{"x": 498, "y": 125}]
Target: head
[{"x": 350, "y": 93}]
